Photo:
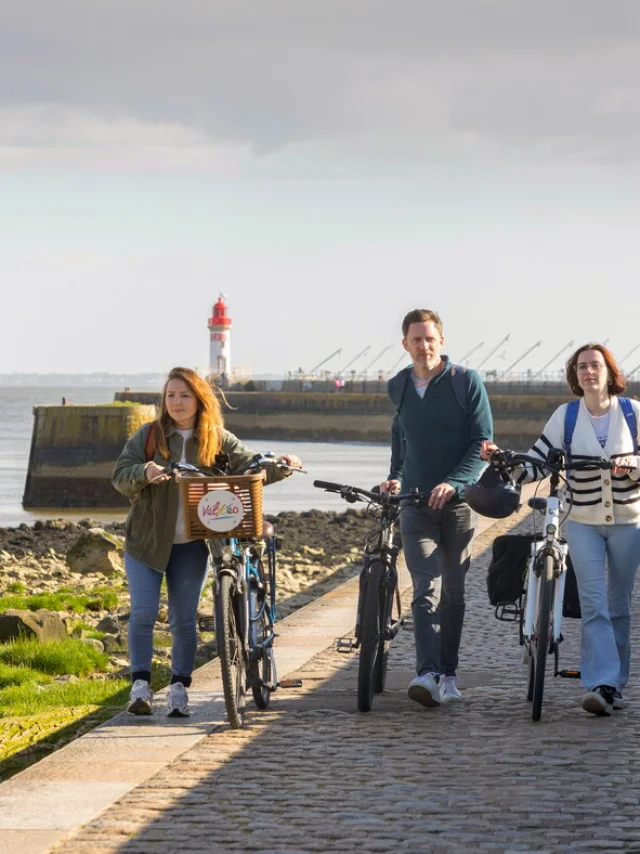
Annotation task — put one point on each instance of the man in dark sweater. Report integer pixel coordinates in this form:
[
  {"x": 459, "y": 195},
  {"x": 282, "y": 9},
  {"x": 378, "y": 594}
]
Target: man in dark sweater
[{"x": 442, "y": 416}]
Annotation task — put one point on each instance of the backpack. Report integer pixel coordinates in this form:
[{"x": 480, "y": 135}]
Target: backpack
[
  {"x": 150, "y": 447},
  {"x": 150, "y": 443},
  {"x": 459, "y": 381},
  {"x": 571, "y": 417}
]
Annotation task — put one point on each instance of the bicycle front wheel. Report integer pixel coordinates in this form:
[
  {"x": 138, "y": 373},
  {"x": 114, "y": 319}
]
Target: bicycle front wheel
[
  {"x": 543, "y": 634},
  {"x": 230, "y": 650},
  {"x": 370, "y": 667}
]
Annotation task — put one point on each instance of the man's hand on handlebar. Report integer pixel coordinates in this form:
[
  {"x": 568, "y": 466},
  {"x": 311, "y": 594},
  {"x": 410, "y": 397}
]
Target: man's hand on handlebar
[
  {"x": 441, "y": 495},
  {"x": 488, "y": 449},
  {"x": 390, "y": 487}
]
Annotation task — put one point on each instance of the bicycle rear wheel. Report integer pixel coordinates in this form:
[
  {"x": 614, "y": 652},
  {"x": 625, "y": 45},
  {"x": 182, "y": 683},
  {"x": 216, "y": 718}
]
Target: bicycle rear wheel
[
  {"x": 372, "y": 667},
  {"x": 262, "y": 670},
  {"x": 230, "y": 649},
  {"x": 543, "y": 627}
]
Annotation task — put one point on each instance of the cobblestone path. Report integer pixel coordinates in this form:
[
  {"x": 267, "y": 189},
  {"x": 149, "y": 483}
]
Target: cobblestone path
[{"x": 312, "y": 774}]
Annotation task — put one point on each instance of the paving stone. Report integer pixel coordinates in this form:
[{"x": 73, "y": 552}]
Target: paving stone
[{"x": 312, "y": 774}]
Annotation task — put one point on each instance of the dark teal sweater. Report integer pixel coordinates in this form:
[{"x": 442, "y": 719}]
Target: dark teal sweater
[{"x": 441, "y": 443}]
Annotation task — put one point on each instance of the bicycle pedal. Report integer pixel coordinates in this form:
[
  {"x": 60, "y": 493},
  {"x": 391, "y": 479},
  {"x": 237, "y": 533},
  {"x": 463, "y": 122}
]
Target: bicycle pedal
[
  {"x": 569, "y": 674},
  {"x": 290, "y": 683},
  {"x": 206, "y": 624},
  {"x": 407, "y": 624},
  {"x": 346, "y": 645}
]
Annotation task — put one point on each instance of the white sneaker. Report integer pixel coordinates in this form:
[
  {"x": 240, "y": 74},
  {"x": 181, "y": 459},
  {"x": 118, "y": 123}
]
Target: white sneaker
[
  {"x": 178, "y": 701},
  {"x": 140, "y": 698},
  {"x": 449, "y": 691},
  {"x": 424, "y": 690},
  {"x": 618, "y": 701}
]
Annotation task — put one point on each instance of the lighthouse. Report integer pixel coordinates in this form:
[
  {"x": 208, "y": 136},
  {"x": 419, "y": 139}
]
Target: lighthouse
[{"x": 220, "y": 341}]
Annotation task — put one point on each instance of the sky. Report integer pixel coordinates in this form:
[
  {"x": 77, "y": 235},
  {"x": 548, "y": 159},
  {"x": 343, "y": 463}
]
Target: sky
[{"x": 329, "y": 167}]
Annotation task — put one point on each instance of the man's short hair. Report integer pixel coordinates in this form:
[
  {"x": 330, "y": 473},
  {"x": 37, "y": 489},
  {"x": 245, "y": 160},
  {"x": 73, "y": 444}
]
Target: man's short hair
[{"x": 421, "y": 315}]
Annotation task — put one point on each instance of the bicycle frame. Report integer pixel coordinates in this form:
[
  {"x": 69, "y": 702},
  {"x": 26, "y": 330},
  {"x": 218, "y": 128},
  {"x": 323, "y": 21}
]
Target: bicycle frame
[
  {"x": 538, "y": 549},
  {"x": 387, "y": 553},
  {"x": 240, "y": 561}
]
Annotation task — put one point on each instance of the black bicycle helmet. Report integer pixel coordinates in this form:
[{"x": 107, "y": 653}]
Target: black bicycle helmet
[{"x": 493, "y": 495}]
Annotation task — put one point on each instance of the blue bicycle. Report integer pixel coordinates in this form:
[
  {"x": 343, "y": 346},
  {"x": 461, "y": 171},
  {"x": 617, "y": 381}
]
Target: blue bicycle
[{"x": 244, "y": 557}]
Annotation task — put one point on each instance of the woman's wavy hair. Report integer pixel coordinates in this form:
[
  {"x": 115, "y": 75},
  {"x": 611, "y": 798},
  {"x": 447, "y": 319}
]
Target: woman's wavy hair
[
  {"x": 617, "y": 382},
  {"x": 207, "y": 431}
]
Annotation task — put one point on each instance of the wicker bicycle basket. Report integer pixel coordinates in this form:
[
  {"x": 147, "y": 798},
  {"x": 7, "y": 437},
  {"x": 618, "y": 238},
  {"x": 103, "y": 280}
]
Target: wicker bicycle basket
[{"x": 246, "y": 487}]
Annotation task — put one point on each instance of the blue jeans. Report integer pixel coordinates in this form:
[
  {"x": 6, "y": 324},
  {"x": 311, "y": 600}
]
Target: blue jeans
[
  {"x": 186, "y": 573},
  {"x": 605, "y": 598}
]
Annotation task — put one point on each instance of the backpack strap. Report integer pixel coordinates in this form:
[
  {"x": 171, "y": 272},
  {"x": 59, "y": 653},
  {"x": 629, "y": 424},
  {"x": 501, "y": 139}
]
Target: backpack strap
[
  {"x": 630, "y": 418},
  {"x": 150, "y": 443},
  {"x": 460, "y": 384},
  {"x": 570, "y": 419},
  {"x": 398, "y": 388}
]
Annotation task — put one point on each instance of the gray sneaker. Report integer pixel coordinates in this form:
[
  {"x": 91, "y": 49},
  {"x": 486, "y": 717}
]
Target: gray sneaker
[
  {"x": 178, "y": 701},
  {"x": 140, "y": 698},
  {"x": 425, "y": 690}
]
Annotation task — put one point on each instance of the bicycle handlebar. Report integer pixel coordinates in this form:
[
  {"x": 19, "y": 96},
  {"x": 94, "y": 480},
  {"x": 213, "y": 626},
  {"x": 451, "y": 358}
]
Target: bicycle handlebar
[
  {"x": 510, "y": 460},
  {"x": 356, "y": 493},
  {"x": 258, "y": 463}
]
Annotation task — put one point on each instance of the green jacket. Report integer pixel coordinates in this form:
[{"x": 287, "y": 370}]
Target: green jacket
[{"x": 151, "y": 522}]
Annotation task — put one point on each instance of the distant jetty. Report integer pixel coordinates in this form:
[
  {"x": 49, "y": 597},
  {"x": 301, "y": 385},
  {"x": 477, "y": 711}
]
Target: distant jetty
[{"x": 74, "y": 448}]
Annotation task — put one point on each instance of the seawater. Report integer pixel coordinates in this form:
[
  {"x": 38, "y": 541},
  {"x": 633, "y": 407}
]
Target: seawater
[{"x": 355, "y": 463}]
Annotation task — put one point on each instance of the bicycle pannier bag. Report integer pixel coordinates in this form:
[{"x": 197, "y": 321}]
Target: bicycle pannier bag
[{"x": 505, "y": 576}]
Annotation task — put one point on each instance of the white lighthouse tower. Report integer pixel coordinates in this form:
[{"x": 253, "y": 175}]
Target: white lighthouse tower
[{"x": 220, "y": 341}]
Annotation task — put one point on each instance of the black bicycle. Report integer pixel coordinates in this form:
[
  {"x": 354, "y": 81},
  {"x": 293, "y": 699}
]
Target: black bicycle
[{"x": 379, "y": 615}]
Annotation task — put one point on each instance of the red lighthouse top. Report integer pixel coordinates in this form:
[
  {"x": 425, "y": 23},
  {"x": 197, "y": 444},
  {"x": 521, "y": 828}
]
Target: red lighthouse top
[{"x": 220, "y": 316}]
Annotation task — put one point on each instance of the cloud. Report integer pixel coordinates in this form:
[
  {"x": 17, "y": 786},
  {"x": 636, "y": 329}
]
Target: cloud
[{"x": 550, "y": 77}]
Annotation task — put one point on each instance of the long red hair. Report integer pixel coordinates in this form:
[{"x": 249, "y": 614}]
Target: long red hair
[{"x": 207, "y": 431}]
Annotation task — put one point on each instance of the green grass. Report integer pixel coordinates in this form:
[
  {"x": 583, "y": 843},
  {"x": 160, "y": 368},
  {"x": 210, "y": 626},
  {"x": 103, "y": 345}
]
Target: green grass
[
  {"x": 63, "y": 600},
  {"x": 32, "y": 698},
  {"x": 56, "y": 658},
  {"x": 16, "y": 587},
  {"x": 10, "y": 676}
]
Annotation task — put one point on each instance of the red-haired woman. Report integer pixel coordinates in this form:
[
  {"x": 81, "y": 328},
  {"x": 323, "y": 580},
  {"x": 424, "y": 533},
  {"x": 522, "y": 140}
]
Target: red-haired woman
[
  {"x": 603, "y": 531},
  {"x": 189, "y": 429}
]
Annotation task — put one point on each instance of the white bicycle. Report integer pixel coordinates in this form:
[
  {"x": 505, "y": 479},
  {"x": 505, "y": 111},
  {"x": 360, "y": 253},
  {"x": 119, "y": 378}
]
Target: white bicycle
[{"x": 541, "y": 616}]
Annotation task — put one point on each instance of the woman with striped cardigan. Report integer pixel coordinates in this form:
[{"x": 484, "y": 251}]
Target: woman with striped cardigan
[{"x": 603, "y": 531}]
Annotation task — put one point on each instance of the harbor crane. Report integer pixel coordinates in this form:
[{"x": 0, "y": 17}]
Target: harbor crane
[
  {"x": 380, "y": 354},
  {"x": 324, "y": 361},
  {"x": 520, "y": 358},
  {"x": 495, "y": 350},
  {"x": 355, "y": 359},
  {"x": 471, "y": 352},
  {"x": 546, "y": 364},
  {"x": 630, "y": 353}
]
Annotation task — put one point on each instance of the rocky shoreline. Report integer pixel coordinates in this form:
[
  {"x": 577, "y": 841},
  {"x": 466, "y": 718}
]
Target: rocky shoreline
[{"x": 317, "y": 551}]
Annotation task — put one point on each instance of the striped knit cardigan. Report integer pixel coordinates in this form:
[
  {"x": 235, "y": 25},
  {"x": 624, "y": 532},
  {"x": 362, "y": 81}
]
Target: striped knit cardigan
[{"x": 599, "y": 498}]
